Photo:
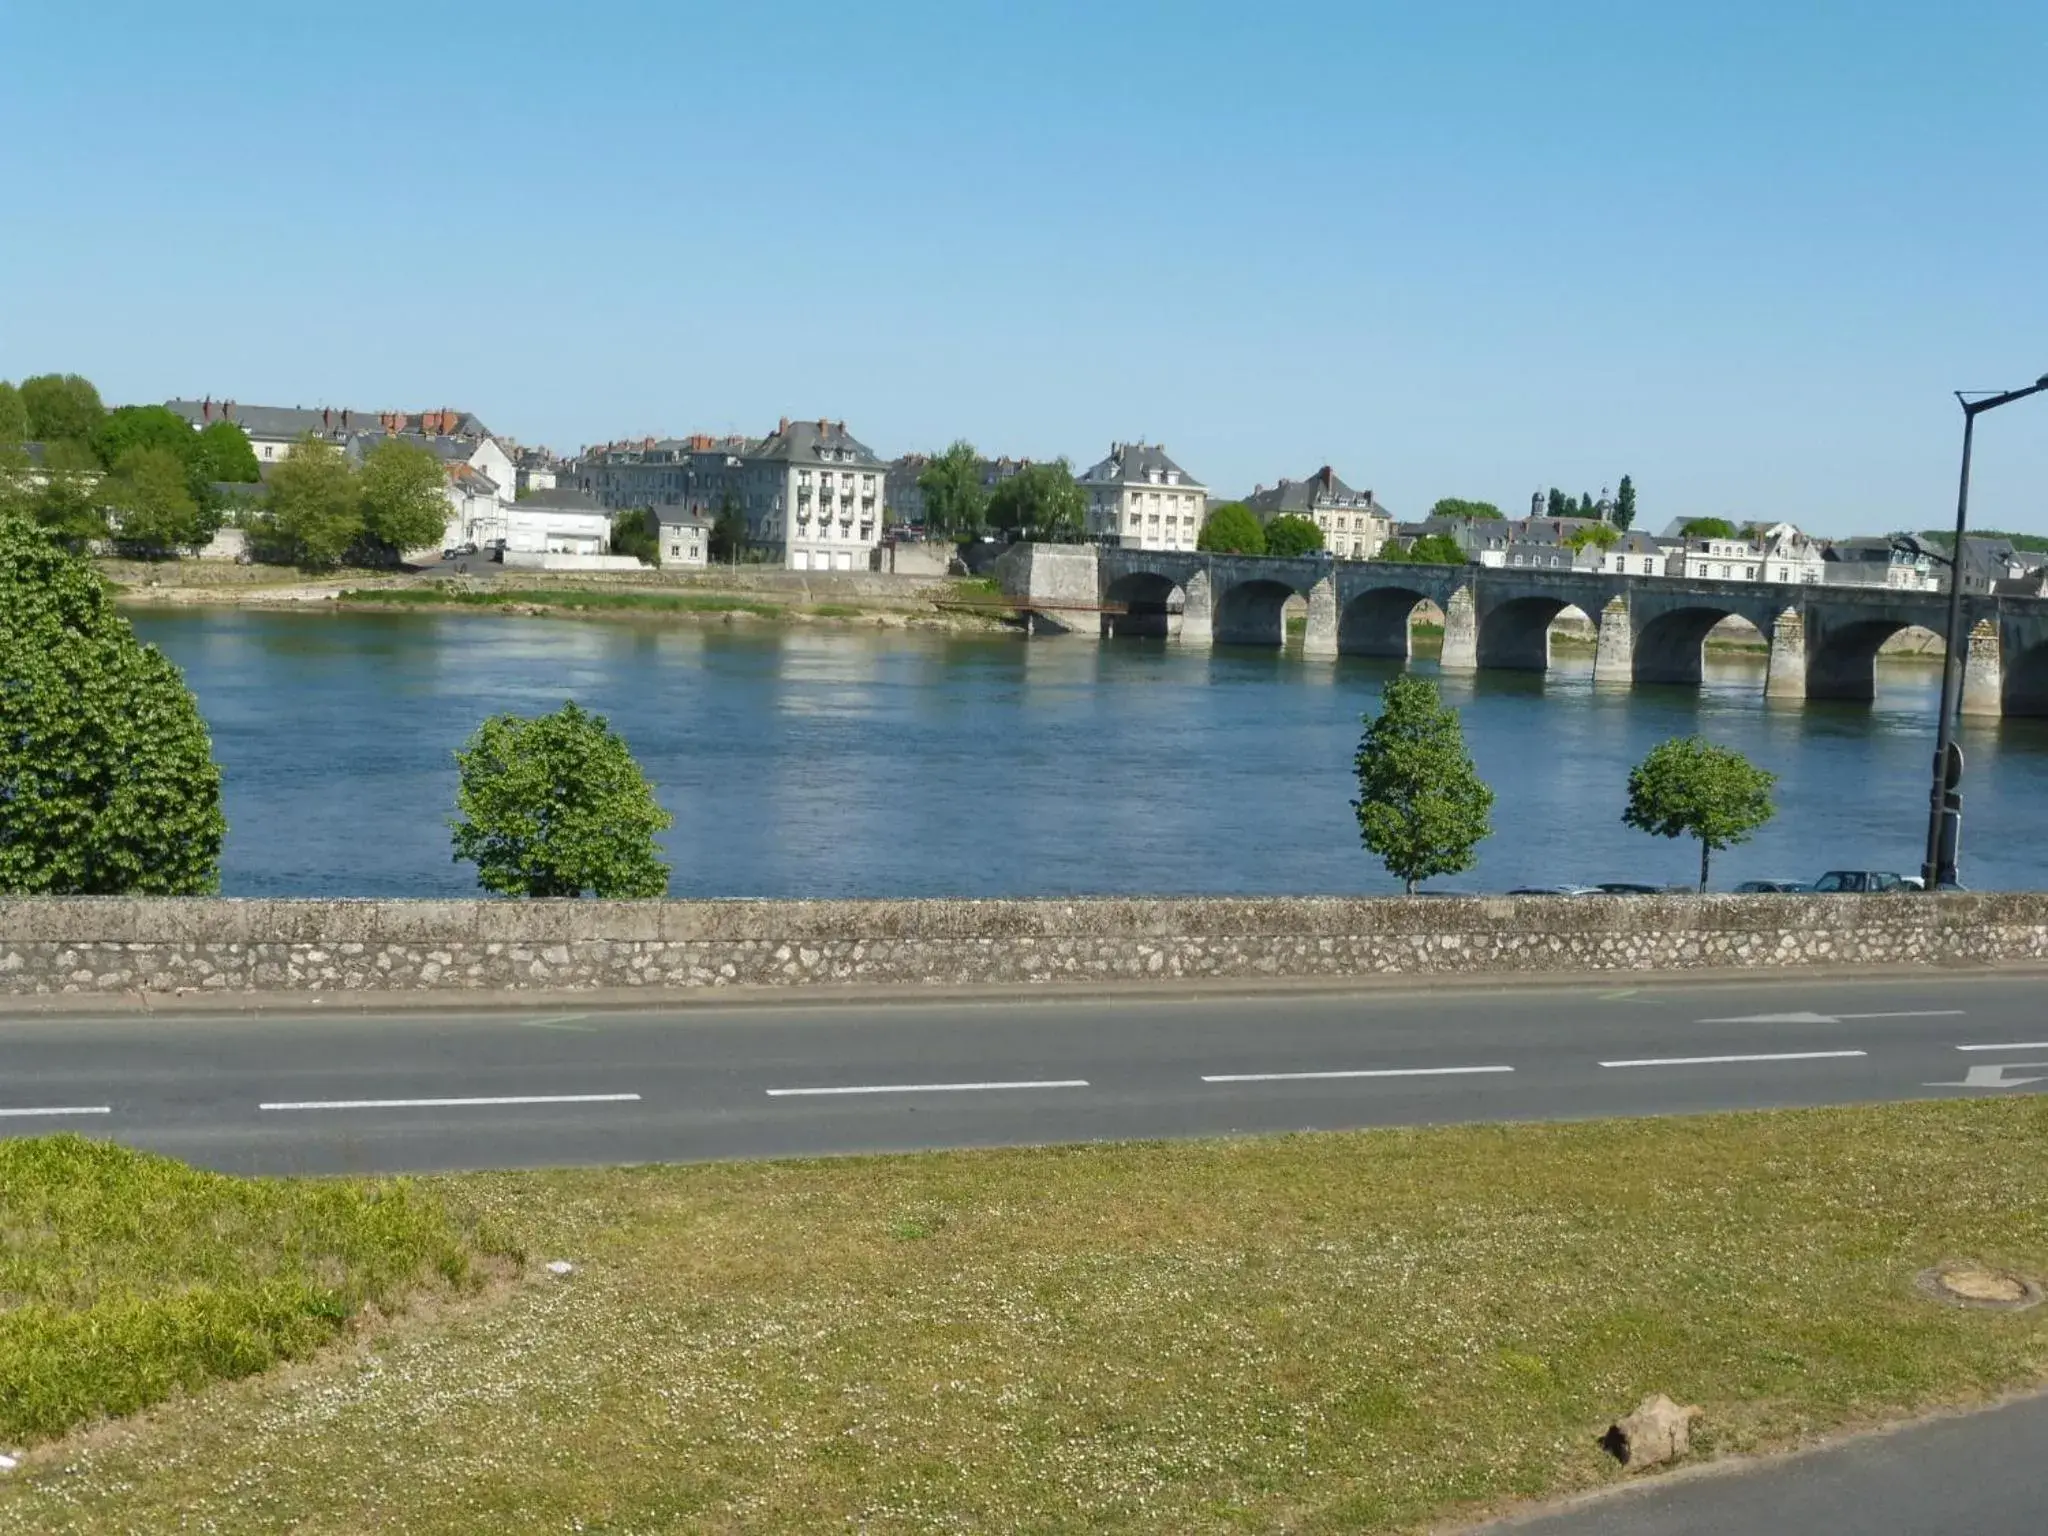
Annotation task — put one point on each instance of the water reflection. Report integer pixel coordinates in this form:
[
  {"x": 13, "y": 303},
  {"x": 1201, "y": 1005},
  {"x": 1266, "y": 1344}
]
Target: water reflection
[{"x": 834, "y": 763}]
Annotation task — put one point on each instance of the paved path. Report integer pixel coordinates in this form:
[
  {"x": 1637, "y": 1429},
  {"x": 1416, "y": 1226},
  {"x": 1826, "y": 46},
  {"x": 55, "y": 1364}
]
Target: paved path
[
  {"x": 1975, "y": 1475},
  {"x": 435, "y": 1089}
]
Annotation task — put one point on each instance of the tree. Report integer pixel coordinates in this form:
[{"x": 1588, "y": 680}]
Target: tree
[
  {"x": 1044, "y": 499},
  {"x": 1435, "y": 549},
  {"x": 13, "y": 417},
  {"x": 62, "y": 408},
  {"x": 313, "y": 506},
  {"x": 728, "y": 531},
  {"x": 1625, "y": 505},
  {"x": 1421, "y": 806},
  {"x": 107, "y": 781},
  {"x": 155, "y": 512},
  {"x": 143, "y": 426},
  {"x": 1599, "y": 535},
  {"x": 1689, "y": 786},
  {"x": 64, "y": 495},
  {"x": 221, "y": 455},
  {"x": 402, "y": 502},
  {"x": 556, "y": 806},
  {"x": 955, "y": 501},
  {"x": 1707, "y": 528},
  {"x": 634, "y": 533},
  {"x": 1585, "y": 507},
  {"x": 1393, "y": 552},
  {"x": 1232, "y": 530},
  {"x": 1452, "y": 506},
  {"x": 1289, "y": 537},
  {"x": 1558, "y": 504}
]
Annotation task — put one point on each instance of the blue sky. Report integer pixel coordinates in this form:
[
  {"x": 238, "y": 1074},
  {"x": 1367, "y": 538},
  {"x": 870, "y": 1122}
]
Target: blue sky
[{"x": 1741, "y": 251}]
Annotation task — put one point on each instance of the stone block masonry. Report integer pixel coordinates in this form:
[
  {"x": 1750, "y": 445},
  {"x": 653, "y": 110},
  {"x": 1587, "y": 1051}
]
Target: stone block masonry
[{"x": 114, "y": 946}]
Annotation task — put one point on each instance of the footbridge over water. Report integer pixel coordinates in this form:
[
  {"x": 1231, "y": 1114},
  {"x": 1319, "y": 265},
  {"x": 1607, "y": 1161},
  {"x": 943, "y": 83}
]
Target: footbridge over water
[{"x": 1652, "y": 629}]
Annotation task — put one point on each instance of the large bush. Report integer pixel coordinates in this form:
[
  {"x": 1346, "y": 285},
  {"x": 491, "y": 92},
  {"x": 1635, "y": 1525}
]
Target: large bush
[{"x": 107, "y": 779}]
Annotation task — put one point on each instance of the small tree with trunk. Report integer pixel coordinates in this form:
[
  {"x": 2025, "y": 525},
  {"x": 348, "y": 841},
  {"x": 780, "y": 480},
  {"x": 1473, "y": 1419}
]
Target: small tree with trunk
[
  {"x": 1289, "y": 537},
  {"x": 1687, "y": 786},
  {"x": 1232, "y": 530},
  {"x": 1421, "y": 806},
  {"x": 556, "y": 806}
]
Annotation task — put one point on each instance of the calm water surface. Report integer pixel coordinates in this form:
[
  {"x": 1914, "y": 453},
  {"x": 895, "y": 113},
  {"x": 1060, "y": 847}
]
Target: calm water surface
[{"x": 838, "y": 763}]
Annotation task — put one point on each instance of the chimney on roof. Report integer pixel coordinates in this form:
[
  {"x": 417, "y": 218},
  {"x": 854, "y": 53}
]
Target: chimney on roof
[
  {"x": 784, "y": 425},
  {"x": 822, "y": 425},
  {"x": 1327, "y": 476},
  {"x": 227, "y": 410},
  {"x": 206, "y": 409},
  {"x": 344, "y": 420},
  {"x": 326, "y": 418},
  {"x": 840, "y": 427}
]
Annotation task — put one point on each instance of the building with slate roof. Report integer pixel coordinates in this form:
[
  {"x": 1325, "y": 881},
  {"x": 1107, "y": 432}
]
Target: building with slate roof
[
  {"x": 1139, "y": 498},
  {"x": 811, "y": 493},
  {"x": 273, "y": 430},
  {"x": 1353, "y": 523}
]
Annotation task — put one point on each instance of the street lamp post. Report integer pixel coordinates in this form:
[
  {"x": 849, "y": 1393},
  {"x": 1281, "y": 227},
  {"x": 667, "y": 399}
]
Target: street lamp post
[{"x": 1935, "y": 870}]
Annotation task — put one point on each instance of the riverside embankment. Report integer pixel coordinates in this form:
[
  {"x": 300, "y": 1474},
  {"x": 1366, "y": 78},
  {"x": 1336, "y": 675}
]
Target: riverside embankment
[{"x": 116, "y": 946}]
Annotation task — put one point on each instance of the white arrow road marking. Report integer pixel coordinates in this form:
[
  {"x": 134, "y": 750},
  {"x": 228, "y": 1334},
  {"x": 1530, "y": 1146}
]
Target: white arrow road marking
[
  {"x": 1992, "y": 1075},
  {"x": 1837, "y": 1018},
  {"x": 1718, "y": 1061},
  {"x": 2017, "y": 1045}
]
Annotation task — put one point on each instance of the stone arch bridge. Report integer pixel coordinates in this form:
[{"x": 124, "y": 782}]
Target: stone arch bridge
[{"x": 1653, "y": 629}]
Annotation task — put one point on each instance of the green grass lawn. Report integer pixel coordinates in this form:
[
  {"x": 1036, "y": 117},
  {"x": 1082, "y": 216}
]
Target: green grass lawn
[
  {"x": 125, "y": 1278},
  {"x": 574, "y": 599},
  {"x": 1328, "y": 1333}
]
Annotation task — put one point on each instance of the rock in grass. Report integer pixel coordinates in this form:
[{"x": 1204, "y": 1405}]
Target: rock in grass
[{"x": 1658, "y": 1431}]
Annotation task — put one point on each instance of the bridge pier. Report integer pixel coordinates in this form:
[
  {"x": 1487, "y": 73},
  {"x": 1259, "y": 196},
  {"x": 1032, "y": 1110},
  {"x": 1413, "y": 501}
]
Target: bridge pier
[
  {"x": 1614, "y": 658},
  {"x": 1984, "y": 671},
  {"x": 1319, "y": 638},
  {"x": 1785, "y": 672},
  {"x": 1461, "y": 633},
  {"x": 1198, "y": 615}
]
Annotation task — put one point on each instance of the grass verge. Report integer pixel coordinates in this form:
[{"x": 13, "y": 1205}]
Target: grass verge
[
  {"x": 569, "y": 599},
  {"x": 1355, "y": 1333},
  {"x": 126, "y": 1278}
]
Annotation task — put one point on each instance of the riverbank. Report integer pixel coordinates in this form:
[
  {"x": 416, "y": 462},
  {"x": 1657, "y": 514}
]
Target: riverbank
[{"x": 1365, "y": 1332}]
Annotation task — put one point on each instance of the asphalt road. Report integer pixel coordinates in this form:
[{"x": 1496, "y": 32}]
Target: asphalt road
[
  {"x": 1974, "y": 1475},
  {"x": 512, "y": 1087}
]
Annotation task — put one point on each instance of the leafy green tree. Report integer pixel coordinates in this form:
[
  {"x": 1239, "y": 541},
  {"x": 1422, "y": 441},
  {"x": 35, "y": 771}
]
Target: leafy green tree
[
  {"x": 1232, "y": 530},
  {"x": 143, "y": 426},
  {"x": 1599, "y": 535},
  {"x": 1288, "y": 537},
  {"x": 1687, "y": 786},
  {"x": 312, "y": 507},
  {"x": 1557, "y": 504},
  {"x": 1625, "y": 505},
  {"x": 402, "y": 502},
  {"x": 634, "y": 533},
  {"x": 1452, "y": 506},
  {"x": 1585, "y": 507},
  {"x": 556, "y": 806},
  {"x": 1707, "y": 528},
  {"x": 150, "y": 497},
  {"x": 1044, "y": 499},
  {"x": 1435, "y": 549},
  {"x": 221, "y": 455},
  {"x": 728, "y": 531},
  {"x": 13, "y": 416},
  {"x": 62, "y": 408},
  {"x": 955, "y": 501},
  {"x": 63, "y": 496},
  {"x": 1422, "y": 807},
  {"x": 1393, "y": 552},
  {"x": 107, "y": 780}
]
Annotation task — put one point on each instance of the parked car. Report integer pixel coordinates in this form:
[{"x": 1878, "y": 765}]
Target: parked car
[
  {"x": 1837, "y": 881},
  {"x": 1772, "y": 887},
  {"x": 1555, "y": 890},
  {"x": 1636, "y": 888}
]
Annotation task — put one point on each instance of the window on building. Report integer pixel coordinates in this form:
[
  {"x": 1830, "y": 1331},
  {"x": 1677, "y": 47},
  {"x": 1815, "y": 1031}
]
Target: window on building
[{"x": 1749, "y": 573}]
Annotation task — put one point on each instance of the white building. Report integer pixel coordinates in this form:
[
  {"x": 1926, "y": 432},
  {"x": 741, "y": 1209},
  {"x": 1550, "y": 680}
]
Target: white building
[
  {"x": 1353, "y": 523},
  {"x": 1141, "y": 499},
  {"x": 685, "y": 537},
  {"x": 811, "y": 493},
  {"x": 556, "y": 522},
  {"x": 476, "y": 507},
  {"x": 1779, "y": 553}
]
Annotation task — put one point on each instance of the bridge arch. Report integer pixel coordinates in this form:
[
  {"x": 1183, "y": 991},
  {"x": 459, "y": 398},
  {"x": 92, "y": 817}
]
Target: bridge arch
[
  {"x": 2024, "y": 689},
  {"x": 1670, "y": 647},
  {"x": 1253, "y": 611},
  {"x": 1843, "y": 664},
  {"x": 1378, "y": 622},
  {"x": 1515, "y": 634},
  {"x": 1143, "y": 603}
]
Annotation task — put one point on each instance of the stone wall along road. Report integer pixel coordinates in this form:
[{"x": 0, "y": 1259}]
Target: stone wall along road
[{"x": 112, "y": 946}]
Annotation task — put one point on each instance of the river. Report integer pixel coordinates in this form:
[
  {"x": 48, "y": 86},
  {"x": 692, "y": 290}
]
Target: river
[{"x": 836, "y": 762}]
